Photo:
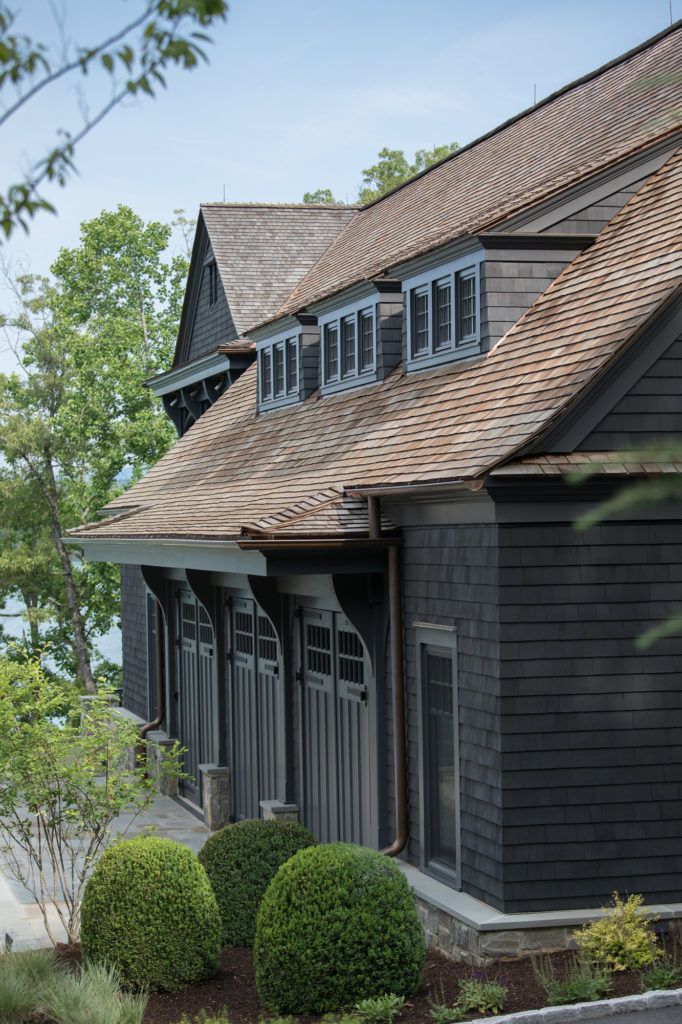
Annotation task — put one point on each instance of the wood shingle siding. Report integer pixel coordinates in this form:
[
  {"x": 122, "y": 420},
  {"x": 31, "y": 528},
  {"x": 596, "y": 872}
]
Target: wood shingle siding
[
  {"x": 450, "y": 578},
  {"x": 591, "y": 765},
  {"x": 134, "y": 640},
  {"x": 593, "y": 218},
  {"x": 211, "y": 321},
  {"x": 651, "y": 410}
]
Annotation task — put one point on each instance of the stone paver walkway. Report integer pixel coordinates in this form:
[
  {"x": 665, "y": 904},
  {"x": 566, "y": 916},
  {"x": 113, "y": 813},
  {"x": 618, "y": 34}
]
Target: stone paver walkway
[{"x": 20, "y": 917}]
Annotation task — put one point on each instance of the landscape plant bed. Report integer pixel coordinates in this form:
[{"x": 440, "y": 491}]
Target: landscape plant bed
[{"x": 234, "y": 989}]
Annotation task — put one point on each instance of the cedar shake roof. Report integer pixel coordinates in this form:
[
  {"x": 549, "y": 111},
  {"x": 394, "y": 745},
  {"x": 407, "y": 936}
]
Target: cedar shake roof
[
  {"x": 328, "y": 513},
  {"x": 262, "y": 250},
  {"x": 589, "y": 463},
  {"x": 454, "y": 423},
  {"x": 598, "y": 120}
]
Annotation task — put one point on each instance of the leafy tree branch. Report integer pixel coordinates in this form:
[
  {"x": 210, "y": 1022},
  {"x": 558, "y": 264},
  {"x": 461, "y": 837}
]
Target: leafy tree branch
[{"x": 135, "y": 57}]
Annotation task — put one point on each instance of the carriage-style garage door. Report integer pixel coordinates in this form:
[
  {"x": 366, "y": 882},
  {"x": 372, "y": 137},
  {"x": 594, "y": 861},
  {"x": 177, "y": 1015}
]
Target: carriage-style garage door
[
  {"x": 255, "y": 729},
  {"x": 194, "y": 690},
  {"x": 336, "y": 746}
]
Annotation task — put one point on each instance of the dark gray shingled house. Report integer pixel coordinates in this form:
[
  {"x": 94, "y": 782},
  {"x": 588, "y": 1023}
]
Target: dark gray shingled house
[{"x": 353, "y": 588}]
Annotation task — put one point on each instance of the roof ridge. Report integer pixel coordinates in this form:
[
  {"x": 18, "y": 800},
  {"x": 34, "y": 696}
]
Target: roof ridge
[
  {"x": 326, "y": 207},
  {"x": 588, "y": 77}
]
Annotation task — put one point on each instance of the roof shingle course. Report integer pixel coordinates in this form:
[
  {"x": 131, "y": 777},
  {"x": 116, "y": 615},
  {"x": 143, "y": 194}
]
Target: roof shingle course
[
  {"x": 599, "y": 120},
  {"x": 263, "y": 249},
  {"x": 457, "y": 422}
]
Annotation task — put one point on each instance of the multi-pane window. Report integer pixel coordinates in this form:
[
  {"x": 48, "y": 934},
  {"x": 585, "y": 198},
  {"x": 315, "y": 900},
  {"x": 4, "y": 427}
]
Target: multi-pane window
[
  {"x": 443, "y": 314},
  {"x": 443, "y": 304},
  {"x": 349, "y": 346},
  {"x": 441, "y": 756},
  {"x": 278, "y": 369},
  {"x": 331, "y": 351},
  {"x": 466, "y": 292},
  {"x": 292, "y": 365},
  {"x": 266, "y": 375},
  {"x": 212, "y": 283},
  {"x": 420, "y": 320},
  {"x": 366, "y": 321}
]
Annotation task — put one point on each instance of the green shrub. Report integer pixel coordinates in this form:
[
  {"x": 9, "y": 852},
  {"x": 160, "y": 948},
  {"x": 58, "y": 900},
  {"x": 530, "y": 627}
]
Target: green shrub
[
  {"x": 581, "y": 981},
  {"x": 24, "y": 979},
  {"x": 150, "y": 912},
  {"x": 92, "y": 994},
  {"x": 622, "y": 940},
  {"x": 336, "y": 925},
  {"x": 241, "y": 860},
  {"x": 481, "y": 996}
]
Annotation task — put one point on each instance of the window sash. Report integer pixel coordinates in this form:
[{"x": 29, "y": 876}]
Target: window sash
[
  {"x": 366, "y": 329},
  {"x": 348, "y": 346},
  {"x": 278, "y": 372},
  {"x": 292, "y": 365},
  {"x": 331, "y": 352},
  {"x": 420, "y": 321},
  {"x": 466, "y": 303},
  {"x": 443, "y": 313},
  {"x": 442, "y": 770},
  {"x": 266, "y": 375}
]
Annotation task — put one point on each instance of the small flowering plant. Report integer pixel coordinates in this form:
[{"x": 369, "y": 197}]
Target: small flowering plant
[{"x": 622, "y": 940}]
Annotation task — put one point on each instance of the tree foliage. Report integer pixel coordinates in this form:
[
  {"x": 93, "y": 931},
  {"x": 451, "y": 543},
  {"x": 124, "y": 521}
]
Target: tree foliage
[
  {"x": 76, "y": 422},
  {"x": 63, "y": 784},
  {"x": 134, "y": 59},
  {"x": 321, "y": 197},
  {"x": 655, "y": 490},
  {"x": 391, "y": 169}
]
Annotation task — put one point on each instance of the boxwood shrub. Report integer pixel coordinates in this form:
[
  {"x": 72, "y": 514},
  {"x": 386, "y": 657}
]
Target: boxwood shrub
[
  {"x": 241, "y": 860},
  {"x": 336, "y": 925},
  {"x": 149, "y": 911}
]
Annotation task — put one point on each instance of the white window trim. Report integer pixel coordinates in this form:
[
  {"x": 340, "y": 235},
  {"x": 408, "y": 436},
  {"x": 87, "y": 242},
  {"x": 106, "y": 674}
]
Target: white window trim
[
  {"x": 340, "y": 382},
  {"x": 458, "y": 348}
]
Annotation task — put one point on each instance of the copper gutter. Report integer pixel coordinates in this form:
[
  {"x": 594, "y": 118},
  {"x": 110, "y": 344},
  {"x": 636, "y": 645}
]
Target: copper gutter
[
  {"x": 160, "y": 688},
  {"x": 395, "y": 620}
]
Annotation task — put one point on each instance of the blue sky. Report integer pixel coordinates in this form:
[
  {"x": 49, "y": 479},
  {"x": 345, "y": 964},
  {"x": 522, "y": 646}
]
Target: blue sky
[{"x": 301, "y": 94}]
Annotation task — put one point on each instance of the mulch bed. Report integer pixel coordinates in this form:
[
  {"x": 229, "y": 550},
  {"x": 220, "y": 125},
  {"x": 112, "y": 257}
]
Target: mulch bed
[{"x": 234, "y": 990}]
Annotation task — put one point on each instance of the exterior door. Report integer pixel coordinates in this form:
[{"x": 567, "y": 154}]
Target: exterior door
[
  {"x": 253, "y": 679},
  {"x": 194, "y": 704},
  {"x": 336, "y": 743}
]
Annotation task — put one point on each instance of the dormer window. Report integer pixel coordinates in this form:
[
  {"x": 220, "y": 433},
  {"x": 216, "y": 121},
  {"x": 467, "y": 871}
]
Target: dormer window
[
  {"x": 278, "y": 371},
  {"x": 442, "y": 315},
  {"x": 349, "y": 349},
  {"x": 212, "y": 283}
]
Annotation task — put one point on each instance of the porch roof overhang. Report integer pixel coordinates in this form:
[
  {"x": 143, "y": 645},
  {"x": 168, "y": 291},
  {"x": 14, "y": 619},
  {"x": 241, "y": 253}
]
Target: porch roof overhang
[
  {"x": 249, "y": 556},
  {"x": 220, "y": 361}
]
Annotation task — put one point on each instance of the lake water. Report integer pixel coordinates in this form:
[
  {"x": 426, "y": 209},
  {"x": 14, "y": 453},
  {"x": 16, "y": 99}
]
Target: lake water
[{"x": 108, "y": 646}]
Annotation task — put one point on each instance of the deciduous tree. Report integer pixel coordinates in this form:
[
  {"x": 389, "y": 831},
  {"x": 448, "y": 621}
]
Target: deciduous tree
[{"x": 76, "y": 422}]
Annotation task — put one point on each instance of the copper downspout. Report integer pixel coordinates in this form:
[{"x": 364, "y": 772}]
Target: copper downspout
[
  {"x": 395, "y": 617},
  {"x": 160, "y": 688}
]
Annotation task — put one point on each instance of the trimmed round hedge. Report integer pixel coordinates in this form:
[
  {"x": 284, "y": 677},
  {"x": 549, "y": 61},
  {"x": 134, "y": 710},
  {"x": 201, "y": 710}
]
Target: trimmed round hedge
[
  {"x": 149, "y": 911},
  {"x": 337, "y": 924},
  {"x": 241, "y": 860}
]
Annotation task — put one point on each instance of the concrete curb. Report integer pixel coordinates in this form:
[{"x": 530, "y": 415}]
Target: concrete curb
[{"x": 591, "y": 1011}]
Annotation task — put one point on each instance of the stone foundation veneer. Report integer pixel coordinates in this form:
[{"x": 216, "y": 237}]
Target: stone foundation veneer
[
  {"x": 470, "y": 931},
  {"x": 216, "y": 795},
  {"x": 465, "y": 943}
]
